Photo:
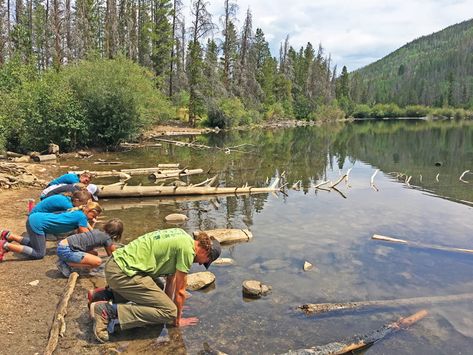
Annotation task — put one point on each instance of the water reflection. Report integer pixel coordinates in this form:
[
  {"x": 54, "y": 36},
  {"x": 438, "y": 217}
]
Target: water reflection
[{"x": 328, "y": 230}]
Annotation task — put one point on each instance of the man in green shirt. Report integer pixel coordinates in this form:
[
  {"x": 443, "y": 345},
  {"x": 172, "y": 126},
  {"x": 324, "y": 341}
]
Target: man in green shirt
[{"x": 132, "y": 274}]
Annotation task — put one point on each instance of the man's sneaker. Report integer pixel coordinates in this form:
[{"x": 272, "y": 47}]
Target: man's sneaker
[
  {"x": 4, "y": 234},
  {"x": 63, "y": 268},
  {"x": 99, "y": 294},
  {"x": 3, "y": 251},
  {"x": 104, "y": 317}
]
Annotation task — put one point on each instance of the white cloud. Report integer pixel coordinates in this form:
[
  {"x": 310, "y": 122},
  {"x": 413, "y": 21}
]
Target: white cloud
[{"x": 354, "y": 32}]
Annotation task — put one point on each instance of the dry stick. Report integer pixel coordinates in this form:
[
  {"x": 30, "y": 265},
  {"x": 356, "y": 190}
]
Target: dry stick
[
  {"x": 372, "y": 176},
  {"x": 59, "y": 325},
  {"x": 462, "y": 175},
  {"x": 421, "y": 245},
  {"x": 408, "y": 179},
  {"x": 358, "y": 343},
  {"x": 338, "y": 181},
  {"x": 437, "y": 177},
  {"x": 420, "y": 177},
  {"x": 341, "y": 193},
  {"x": 347, "y": 175},
  {"x": 322, "y": 183}
]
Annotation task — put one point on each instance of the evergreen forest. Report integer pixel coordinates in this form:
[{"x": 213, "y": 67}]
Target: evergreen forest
[{"x": 96, "y": 73}]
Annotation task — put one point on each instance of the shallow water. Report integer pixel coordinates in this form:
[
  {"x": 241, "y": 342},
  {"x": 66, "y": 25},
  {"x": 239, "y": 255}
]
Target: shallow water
[{"x": 329, "y": 229}]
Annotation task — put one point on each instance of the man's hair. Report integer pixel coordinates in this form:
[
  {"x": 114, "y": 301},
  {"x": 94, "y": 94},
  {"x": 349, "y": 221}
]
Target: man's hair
[
  {"x": 204, "y": 241},
  {"x": 83, "y": 196},
  {"x": 114, "y": 228},
  {"x": 87, "y": 174}
]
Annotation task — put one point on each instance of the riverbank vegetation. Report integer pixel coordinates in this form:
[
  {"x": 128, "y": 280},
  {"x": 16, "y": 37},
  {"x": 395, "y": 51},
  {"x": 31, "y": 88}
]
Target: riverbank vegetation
[{"x": 99, "y": 73}]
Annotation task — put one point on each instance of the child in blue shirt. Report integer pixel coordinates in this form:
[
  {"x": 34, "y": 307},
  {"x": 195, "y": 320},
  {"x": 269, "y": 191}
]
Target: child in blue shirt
[
  {"x": 39, "y": 224},
  {"x": 61, "y": 203},
  {"x": 84, "y": 178},
  {"x": 78, "y": 250}
]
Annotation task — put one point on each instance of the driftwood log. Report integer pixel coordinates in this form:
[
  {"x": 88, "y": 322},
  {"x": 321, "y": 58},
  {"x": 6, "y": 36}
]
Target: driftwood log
[
  {"x": 140, "y": 145},
  {"x": 123, "y": 190},
  {"x": 58, "y": 327},
  {"x": 319, "y": 308},
  {"x": 364, "y": 341},
  {"x": 420, "y": 245},
  {"x": 43, "y": 158},
  {"x": 161, "y": 169},
  {"x": 169, "y": 174}
]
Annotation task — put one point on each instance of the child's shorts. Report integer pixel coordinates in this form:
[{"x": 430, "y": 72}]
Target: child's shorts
[{"x": 65, "y": 253}]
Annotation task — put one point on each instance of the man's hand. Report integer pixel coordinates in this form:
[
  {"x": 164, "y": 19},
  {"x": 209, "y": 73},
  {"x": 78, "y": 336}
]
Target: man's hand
[{"x": 184, "y": 322}]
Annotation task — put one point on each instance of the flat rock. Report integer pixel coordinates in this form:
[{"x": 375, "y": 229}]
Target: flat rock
[
  {"x": 255, "y": 289},
  {"x": 176, "y": 217},
  {"x": 224, "y": 261},
  {"x": 229, "y": 235},
  {"x": 199, "y": 280}
]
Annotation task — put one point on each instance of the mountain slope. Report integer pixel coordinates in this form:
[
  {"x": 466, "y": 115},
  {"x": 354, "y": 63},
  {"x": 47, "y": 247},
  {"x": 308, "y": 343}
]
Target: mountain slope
[{"x": 433, "y": 70}]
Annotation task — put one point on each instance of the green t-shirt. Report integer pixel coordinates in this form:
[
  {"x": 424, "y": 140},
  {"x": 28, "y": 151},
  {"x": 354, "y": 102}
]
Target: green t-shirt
[{"x": 157, "y": 253}]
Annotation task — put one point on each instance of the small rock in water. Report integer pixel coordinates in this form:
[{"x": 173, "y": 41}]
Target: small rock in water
[
  {"x": 34, "y": 283},
  {"x": 199, "y": 280},
  {"x": 224, "y": 261},
  {"x": 308, "y": 266},
  {"x": 176, "y": 217},
  {"x": 255, "y": 289}
]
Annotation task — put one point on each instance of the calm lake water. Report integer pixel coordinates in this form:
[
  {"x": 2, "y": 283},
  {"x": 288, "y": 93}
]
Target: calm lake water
[{"x": 329, "y": 229}]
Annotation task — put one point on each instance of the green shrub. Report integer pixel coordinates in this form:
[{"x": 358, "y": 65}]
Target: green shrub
[
  {"x": 444, "y": 112},
  {"x": 119, "y": 98},
  {"x": 361, "y": 111},
  {"x": 327, "y": 113},
  {"x": 50, "y": 107},
  {"x": 416, "y": 111},
  {"x": 226, "y": 113},
  {"x": 275, "y": 112}
]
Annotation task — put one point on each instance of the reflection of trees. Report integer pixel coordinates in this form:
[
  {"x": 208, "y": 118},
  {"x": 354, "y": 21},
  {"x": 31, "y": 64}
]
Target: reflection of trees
[
  {"x": 304, "y": 153},
  {"x": 413, "y": 148}
]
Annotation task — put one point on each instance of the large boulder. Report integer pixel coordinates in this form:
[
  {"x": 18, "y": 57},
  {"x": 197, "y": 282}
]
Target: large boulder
[{"x": 199, "y": 280}]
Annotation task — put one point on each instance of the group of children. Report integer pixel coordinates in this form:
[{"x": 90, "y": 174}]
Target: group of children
[{"x": 68, "y": 204}]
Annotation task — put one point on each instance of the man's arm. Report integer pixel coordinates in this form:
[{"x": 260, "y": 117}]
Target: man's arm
[
  {"x": 169, "y": 290},
  {"x": 180, "y": 280}
]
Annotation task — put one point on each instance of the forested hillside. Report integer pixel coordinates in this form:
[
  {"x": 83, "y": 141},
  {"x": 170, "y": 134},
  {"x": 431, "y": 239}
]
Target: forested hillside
[{"x": 434, "y": 70}]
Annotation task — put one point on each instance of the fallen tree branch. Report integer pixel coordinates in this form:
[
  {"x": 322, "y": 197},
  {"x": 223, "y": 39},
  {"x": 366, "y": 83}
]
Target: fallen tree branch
[
  {"x": 372, "y": 176},
  {"x": 320, "y": 308},
  {"x": 59, "y": 324},
  {"x": 338, "y": 181},
  {"x": 364, "y": 341},
  {"x": 322, "y": 183},
  {"x": 421, "y": 245},
  {"x": 462, "y": 175}
]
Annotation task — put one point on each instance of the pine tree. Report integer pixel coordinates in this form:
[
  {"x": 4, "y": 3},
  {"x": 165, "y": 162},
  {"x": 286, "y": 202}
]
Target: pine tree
[
  {"x": 201, "y": 25},
  {"x": 229, "y": 46}
]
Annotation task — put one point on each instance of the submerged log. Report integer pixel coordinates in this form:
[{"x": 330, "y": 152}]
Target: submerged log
[
  {"x": 123, "y": 190},
  {"x": 361, "y": 342},
  {"x": 421, "y": 245},
  {"x": 58, "y": 327},
  {"x": 319, "y": 308},
  {"x": 225, "y": 236}
]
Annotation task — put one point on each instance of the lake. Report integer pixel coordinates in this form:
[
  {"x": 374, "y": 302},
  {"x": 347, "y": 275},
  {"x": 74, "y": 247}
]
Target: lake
[{"x": 330, "y": 229}]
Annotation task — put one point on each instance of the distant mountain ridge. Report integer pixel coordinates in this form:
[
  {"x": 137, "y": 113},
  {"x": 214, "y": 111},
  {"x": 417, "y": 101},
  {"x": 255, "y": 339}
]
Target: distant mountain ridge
[{"x": 433, "y": 70}]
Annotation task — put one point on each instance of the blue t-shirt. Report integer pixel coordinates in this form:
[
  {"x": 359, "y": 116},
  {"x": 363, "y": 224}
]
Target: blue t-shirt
[
  {"x": 57, "y": 223},
  {"x": 65, "y": 179},
  {"x": 55, "y": 203}
]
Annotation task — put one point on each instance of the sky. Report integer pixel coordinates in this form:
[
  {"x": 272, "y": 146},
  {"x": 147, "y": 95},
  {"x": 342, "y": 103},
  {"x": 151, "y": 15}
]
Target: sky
[{"x": 354, "y": 32}]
